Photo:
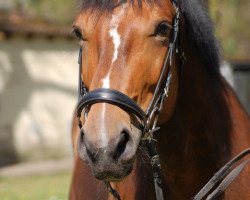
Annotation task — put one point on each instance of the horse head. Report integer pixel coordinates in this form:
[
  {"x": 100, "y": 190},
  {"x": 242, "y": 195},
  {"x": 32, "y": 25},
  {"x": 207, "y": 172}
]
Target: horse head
[{"x": 123, "y": 49}]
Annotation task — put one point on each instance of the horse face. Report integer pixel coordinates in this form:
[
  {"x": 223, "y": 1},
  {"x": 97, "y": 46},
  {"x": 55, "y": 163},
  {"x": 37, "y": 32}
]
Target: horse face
[{"x": 123, "y": 49}]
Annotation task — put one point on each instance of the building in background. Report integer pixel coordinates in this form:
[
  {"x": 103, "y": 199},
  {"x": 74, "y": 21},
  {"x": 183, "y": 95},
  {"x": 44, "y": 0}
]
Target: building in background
[{"x": 38, "y": 87}]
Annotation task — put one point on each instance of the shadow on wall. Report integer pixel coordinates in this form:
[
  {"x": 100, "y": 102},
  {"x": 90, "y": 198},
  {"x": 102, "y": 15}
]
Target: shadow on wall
[{"x": 16, "y": 89}]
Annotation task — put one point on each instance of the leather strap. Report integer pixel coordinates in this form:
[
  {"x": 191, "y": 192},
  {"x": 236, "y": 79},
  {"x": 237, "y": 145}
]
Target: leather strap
[
  {"x": 112, "y": 190},
  {"x": 81, "y": 87},
  {"x": 167, "y": 65},
  {"x": 156, "y": 167},
  {"x": 227, "y": 181},
  {"x": 220, "y": 175},
  {"x": 111, "y": 96}
]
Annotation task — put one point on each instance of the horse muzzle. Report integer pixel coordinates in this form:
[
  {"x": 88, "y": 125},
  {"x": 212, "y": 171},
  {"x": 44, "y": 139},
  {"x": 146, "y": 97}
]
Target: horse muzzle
[{"x": 112, "y": 162}]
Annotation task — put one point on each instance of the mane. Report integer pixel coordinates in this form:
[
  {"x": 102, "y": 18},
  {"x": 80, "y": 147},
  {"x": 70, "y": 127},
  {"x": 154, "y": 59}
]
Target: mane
[
  {"x": 198, "y": 25},
  {"x": 201, "y": 33}
]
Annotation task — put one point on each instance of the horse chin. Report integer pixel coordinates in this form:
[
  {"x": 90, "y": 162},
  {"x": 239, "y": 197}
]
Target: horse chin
[{"x": 112, "y": 171}]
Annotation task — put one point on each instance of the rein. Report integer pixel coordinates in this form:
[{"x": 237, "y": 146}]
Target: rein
[{"x": 225, "y": 175}]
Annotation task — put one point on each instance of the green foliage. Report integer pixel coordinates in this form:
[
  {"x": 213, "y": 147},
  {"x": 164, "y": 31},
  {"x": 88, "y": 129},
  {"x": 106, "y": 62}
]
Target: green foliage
[
  {"x": 47, "y": 187},
  {"x": 58, "y": 11},
  {"x": 232, "y": 19},
  {"x": 230, "y": 46}
]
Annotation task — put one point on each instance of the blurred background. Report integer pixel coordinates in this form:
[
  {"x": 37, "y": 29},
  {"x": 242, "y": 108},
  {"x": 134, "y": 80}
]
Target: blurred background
[
  {"x": 38, "y": 88},
  {"x": 38, "y": 92}
]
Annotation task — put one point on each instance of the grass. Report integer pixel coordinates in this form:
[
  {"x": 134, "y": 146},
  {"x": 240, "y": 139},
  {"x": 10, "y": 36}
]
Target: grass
[{"x": 46, "y": 187}]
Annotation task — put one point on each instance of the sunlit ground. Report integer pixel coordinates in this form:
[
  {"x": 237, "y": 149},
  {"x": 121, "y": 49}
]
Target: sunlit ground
[{"x": 45, "y": 187}]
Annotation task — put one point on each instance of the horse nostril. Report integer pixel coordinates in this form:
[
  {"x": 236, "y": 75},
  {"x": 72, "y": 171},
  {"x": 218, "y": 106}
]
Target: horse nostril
[
  {"x": 83, "y": 143},
  {"x": 92, "y": 155},
  {"x": 122, "y": 144}
]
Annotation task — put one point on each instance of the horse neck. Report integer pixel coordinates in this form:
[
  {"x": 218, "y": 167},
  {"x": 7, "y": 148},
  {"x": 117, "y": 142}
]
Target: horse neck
[{"x": 196, "y": 141}]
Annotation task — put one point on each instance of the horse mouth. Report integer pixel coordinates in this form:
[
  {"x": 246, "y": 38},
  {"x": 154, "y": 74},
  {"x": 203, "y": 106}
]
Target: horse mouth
[
  {"x": 113, "y": 172},
  {"x": 109, "y": 176}
]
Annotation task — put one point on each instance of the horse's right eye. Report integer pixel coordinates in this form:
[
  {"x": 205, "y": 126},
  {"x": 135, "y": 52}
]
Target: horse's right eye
[{"x": 77, "y": 33}]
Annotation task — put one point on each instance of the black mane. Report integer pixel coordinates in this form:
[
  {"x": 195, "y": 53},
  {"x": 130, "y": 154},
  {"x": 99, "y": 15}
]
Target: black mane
[
  {"x": 198, "y": 23},
  {"x": 201, "y": 33}
]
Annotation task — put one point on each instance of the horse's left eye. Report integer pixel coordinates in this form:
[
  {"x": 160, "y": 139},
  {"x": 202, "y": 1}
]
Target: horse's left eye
[{"x": 163, "y": 29}]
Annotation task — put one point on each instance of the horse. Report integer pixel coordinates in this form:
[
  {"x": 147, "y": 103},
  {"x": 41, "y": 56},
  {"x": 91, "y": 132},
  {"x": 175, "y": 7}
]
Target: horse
[{"x": 144, "y": 64}]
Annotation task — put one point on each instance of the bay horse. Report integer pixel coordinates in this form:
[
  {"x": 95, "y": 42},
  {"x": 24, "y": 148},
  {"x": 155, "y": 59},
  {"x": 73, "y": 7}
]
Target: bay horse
[{"x": 143, "y": 63}]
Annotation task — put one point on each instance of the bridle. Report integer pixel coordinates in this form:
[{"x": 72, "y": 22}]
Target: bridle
[
  {"x": 150, "y": 117},
  {"x": 103, "y": 95}
]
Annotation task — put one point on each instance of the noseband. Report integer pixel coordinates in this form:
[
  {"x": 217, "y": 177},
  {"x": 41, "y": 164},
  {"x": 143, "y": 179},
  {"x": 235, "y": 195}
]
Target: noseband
[{"x": 149, "y": 118}]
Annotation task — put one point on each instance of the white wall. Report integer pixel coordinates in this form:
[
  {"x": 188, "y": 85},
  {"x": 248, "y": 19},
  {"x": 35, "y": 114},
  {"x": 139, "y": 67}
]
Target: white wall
[{"x": 38, "y": 92}]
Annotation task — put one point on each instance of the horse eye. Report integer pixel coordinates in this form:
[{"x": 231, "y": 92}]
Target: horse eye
[
  {"x": 163, "y": 29},
  {"x": 77, "y": 33}
]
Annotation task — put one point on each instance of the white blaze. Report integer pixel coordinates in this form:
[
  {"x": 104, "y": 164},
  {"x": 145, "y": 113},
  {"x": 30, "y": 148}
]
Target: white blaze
[
  {"x": 105, "y": 82},
  {"x": 116, "y": 39},
  {"x": 104, "y": 139}
]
